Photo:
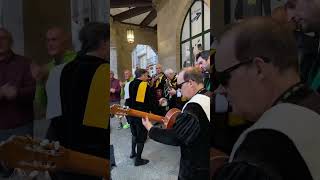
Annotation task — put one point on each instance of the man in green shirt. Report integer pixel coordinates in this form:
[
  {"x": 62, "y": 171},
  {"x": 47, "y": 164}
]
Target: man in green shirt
[
  {"x": 59, "y": 48},
  {"x": 128, "y": 78},
  {"x": 125, "y": 91}
]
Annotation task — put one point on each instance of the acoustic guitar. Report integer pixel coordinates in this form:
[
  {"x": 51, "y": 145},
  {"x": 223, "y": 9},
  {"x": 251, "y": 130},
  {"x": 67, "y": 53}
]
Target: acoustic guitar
[
  {"x": 168, "y": 120},
  {"x": 31, "y": 154}
]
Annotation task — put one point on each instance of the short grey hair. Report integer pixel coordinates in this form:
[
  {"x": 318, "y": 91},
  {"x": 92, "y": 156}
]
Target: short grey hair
[{"x": 168, "y": 71}]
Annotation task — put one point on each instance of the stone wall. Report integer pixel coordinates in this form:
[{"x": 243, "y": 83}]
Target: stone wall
[
  {"x": 171, "y": 14},
  {"x": 124, "y": 49}
]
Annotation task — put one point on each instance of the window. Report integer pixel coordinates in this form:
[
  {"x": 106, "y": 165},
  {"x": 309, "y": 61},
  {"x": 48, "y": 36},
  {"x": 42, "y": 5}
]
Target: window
[
  {"x": 195, "y": 33},
  {"x": 143, "y": 56}
]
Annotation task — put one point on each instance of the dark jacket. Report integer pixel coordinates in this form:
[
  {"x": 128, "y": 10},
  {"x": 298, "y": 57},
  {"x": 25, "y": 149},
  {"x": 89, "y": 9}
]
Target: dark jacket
[
  {"x": 15, "y": 71},
  {"x": 76, "y": 80},
  {"x": 191, "y": 133}
]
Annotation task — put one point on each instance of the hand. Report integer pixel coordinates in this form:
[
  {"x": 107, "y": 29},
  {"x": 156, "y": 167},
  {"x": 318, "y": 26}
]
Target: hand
[
  {"x": 147, "y": 124},
  {"x": 39, "y": 72},
  {"x": 165, "y": 121},
  {"x": 172, "y": 92},
  {"x": 8, "y": 91},
  {"x": 163, "y": 102},
  {"x": 112, "y": 90},
  {"x": 122, "y": 84}
]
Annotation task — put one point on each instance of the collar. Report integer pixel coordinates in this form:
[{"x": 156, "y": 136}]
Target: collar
[
  {"x": 130, "y": 79},
  {"x": 90, "y": 58},
  {"x": 297, "y": 90},
  {"x": 68, "y": 56},
  {"x": 202, "y": 91}
]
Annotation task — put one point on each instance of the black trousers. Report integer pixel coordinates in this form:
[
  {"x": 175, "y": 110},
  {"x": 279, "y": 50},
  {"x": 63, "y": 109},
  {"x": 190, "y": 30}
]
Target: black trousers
[{"x": 138, "y": 130}]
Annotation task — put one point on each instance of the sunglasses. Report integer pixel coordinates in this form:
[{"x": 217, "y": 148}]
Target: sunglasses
[
  {"x": 223, "y": 78},
  {"x": 179, "y": 86}
]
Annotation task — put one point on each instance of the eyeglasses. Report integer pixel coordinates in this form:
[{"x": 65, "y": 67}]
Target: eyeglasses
[
  {"x": 179, "y": 86},
  {"x": 223, "y": 77}
]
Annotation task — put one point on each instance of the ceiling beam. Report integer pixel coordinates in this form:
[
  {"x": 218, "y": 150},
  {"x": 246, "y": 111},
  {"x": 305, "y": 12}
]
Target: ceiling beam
[
  {"x": 130, "y": 3},
  {"x": 131, "y": 13},
  {"x": 152, "y": 15},
  {"x": 143, "y": 27}
]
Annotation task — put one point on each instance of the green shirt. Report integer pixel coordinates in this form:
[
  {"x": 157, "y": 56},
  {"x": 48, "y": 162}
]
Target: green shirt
[
  {"x": 40, "y": 94},
  {"x": 316, "y": 82},
  {"x": 122, "y": 89}
]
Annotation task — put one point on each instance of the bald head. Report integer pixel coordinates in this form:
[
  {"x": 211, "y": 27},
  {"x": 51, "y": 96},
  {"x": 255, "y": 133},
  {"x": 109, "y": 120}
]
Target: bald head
[
  {"x": 58, "y": 41},
  {"x": 280, "y": 14},
  {"x": 127, "y": 74}
]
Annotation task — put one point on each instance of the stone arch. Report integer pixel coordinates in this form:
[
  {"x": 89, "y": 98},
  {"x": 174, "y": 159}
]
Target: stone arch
[
  {"x": 179, "y": 28},
  {"x": 178, "y": 31},
  {"x": 124, "y": 49}
]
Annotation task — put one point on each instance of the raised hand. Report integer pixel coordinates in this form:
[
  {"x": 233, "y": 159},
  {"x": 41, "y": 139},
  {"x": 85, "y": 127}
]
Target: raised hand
[{"x": 8, "y": 91}]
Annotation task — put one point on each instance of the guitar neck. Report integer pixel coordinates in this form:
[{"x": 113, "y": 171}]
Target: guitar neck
[
  {"x": 141, "y": 114},
  {"x": 86, "y": 164}
]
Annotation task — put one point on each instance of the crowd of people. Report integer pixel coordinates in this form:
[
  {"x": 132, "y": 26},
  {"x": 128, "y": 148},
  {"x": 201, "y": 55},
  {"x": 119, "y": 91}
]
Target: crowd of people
[
  {"x": 188, "y": 90},
  {"x": 70, "y": 87},
  {"x": 251, "y": 107}
]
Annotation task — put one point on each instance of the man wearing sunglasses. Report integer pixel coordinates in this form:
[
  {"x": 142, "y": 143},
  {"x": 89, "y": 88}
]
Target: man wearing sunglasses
[
  {"x": 257, "y": 65},
  {"x": 191, "y": 130}
]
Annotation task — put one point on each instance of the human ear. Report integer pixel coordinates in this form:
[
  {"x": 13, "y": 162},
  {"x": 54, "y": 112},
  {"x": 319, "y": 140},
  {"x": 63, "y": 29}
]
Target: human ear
[{"x": 261, "y": 67}]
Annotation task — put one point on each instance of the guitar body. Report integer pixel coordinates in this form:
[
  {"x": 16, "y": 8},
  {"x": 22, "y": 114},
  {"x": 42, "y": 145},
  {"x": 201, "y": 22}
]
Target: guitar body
[{"x": 171, "y": 117}]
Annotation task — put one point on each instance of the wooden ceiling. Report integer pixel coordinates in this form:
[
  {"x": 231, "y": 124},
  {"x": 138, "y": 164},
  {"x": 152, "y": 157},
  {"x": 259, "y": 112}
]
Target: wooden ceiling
[
  {"x": 135, "y": 12},
  {"x": 130, "y": 3}
]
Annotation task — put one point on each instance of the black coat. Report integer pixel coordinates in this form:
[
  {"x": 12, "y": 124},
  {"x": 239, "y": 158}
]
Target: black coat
[{"x": 191, "y": 133}]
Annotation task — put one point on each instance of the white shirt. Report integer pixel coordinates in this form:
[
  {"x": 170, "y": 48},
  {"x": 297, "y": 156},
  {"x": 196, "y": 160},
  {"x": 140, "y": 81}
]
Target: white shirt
[{"x": 53, "y": 92}]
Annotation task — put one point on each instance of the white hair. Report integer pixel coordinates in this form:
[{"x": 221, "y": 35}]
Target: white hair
[{"x": 168, "y": 71}]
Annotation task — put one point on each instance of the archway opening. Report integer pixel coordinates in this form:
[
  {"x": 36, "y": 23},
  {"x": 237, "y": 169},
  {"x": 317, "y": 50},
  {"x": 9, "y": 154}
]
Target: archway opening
[{"x": 143, "y": 56}]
